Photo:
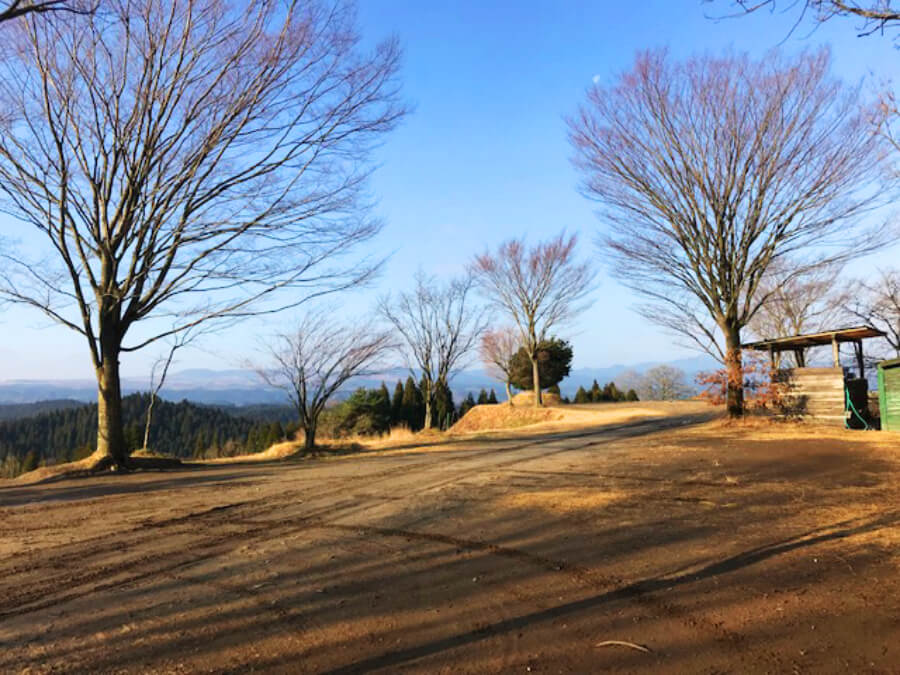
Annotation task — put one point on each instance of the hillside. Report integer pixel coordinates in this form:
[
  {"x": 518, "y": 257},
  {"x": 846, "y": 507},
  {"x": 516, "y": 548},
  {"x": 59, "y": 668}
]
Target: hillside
[
  {"x": 180, "y": 429},
  {"x": 15, "y": 411}
]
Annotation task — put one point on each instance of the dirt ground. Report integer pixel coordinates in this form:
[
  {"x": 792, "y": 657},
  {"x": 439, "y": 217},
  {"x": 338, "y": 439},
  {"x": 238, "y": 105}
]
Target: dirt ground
[{"x": 715, "y": 548}]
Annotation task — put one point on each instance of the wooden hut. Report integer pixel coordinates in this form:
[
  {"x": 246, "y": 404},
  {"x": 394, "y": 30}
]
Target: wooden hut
[{"x": 821, "y": 393}]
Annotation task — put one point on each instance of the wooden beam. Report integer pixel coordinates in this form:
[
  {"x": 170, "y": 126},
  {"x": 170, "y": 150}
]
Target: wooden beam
[
  {"x": 859, "y": 358},
  {"x": 836, "y": 351}
]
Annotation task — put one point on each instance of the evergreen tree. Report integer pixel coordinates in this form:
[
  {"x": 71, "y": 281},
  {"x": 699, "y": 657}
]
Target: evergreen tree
[
  {"x": 555, "y": 358},
  {"x": 384, "y": 403},
  {"x": 413, "y": 405},
  {"x": 467, "y": 404},
  {"x": 482, "y": 397},
  {"x": 596, "y": 393},
  {"x": 492, "y": 398},
  {"x": 631, "y": 395},
  {"x": 444, "y": 408},
  {"x": 397, "y": 405},
  {"x": 581, "y": 396}
]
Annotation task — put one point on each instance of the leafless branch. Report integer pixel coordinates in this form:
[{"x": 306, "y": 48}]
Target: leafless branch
[
  {"x": 876, "y": 302},
  {"x": 713, "y": 172},
  {"x": 439, "y": 326},
  {"x": 14, "y": 9},
  {"x": 497, "y": 349},
  {"x": 190, "y": 160},
  {"x": 313, "y": 362},
  {"x": 538, "y": 288}
]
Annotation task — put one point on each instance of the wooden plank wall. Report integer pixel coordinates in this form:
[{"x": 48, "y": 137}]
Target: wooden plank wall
[{"x": 814, "y": 393}]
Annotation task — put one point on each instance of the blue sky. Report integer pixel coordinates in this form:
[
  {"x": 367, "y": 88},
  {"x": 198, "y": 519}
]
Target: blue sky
[{"x": 484, "y": 155}]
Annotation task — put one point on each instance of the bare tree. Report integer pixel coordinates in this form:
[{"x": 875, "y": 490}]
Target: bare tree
[
  {"x": 497, "y": 350},
  {"x": 663, "y": 383},
  {"x": 315, "y": 361},
  {"x": 875, "y": 15},
  {"x": 713, "y": 170},
  {"x": 796, "y": 304},
  {"x": 160, "y": 370},
  {"x": 14, "y": 9},
  {"x": 876, "y": 303},
  {"x": 188, "y": 159},
  {"x": 440, "y": 326},
  {"x": 539, "y": 289}
]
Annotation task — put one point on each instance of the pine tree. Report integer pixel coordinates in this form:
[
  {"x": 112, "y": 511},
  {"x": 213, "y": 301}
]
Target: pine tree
[
  {"x": 397, "y": 405},
  {"x": 413, "y": 405},
  {"x": 444, "y": 408},
  {"x": 467, "y": 404},
  {"x": 596, "y": 393},
  {"x": 482, "y": 397},
  {"x": 384, "y": 403},
  {"x": 631, "y": 395},
  {"x": 581, "y": 396},
  {"x": 492, "y": 399}
]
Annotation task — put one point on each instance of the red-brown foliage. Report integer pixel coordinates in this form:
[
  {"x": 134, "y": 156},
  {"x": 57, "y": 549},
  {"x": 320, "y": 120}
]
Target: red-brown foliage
[{"x": 758, "y": 377}]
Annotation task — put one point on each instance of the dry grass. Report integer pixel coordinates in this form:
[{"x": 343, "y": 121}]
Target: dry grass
[
  {"x": 278, "y": 451},
  {"x": 527, "y": 398},
  {"x": 501, "y": 416},
  {"x": 83, "y": 467}
]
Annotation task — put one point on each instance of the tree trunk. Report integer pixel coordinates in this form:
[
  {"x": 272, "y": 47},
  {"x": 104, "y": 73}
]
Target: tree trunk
[
  {"x": 309, "y": 437},
  {"x": 508, "y": 393},
  {"x": 426, "y": 425},
  {"x": 149, "y": 420},
  {"x": 734, "y": 393},
  {"x": 110, "y": 429},
  {"x": 535, "y": 374}
]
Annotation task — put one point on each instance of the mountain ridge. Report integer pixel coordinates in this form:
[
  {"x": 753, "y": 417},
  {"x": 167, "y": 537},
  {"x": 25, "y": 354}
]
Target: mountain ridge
[{"x": 243, "y": 387}]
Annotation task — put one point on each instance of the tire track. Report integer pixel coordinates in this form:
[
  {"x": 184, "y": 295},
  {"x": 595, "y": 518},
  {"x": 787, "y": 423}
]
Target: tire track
[{"x": 51, "y": 589}]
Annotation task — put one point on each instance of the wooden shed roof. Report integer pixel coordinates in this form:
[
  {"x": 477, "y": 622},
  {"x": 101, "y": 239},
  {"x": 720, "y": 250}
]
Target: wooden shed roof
[{"x": 781, "y": 344}]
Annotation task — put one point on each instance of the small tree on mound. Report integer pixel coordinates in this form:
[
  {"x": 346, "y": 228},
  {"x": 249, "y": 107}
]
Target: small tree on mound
[
  {"x": 497, "y": 350},
  {"x": 538, "y": 288},
  {"x": 555, "y": 359}
]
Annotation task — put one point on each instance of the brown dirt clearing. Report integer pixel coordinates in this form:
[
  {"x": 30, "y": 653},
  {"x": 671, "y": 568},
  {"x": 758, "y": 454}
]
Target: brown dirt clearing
[{"x": 719, "y": 548}]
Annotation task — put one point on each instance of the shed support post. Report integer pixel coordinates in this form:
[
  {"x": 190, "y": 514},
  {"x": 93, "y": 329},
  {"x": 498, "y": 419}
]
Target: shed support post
[
  {"x": 835, "y": 351},
  {"x": 859, "y": 359}
]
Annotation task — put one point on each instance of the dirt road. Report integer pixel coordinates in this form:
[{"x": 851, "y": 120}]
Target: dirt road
[{"x": 713, "y": 550}]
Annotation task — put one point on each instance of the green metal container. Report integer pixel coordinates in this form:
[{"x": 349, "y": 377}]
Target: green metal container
[{"x": 889, "y": 394}]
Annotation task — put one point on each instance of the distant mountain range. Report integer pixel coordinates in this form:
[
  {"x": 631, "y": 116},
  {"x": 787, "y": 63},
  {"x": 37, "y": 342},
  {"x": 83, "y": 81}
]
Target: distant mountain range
[{"x": 243, "y": 387}]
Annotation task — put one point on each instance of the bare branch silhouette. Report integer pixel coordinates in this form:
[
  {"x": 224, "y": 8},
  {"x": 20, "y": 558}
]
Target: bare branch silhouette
[
  {"x": 313, "y": 362},
  {"x": 439, "y": 326},
  {"x": 190, "y": 160},
  {"x": 713, "y": 172}
]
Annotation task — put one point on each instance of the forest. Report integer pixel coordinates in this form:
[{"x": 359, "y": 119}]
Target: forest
[{"x": 181, "y": 429}]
